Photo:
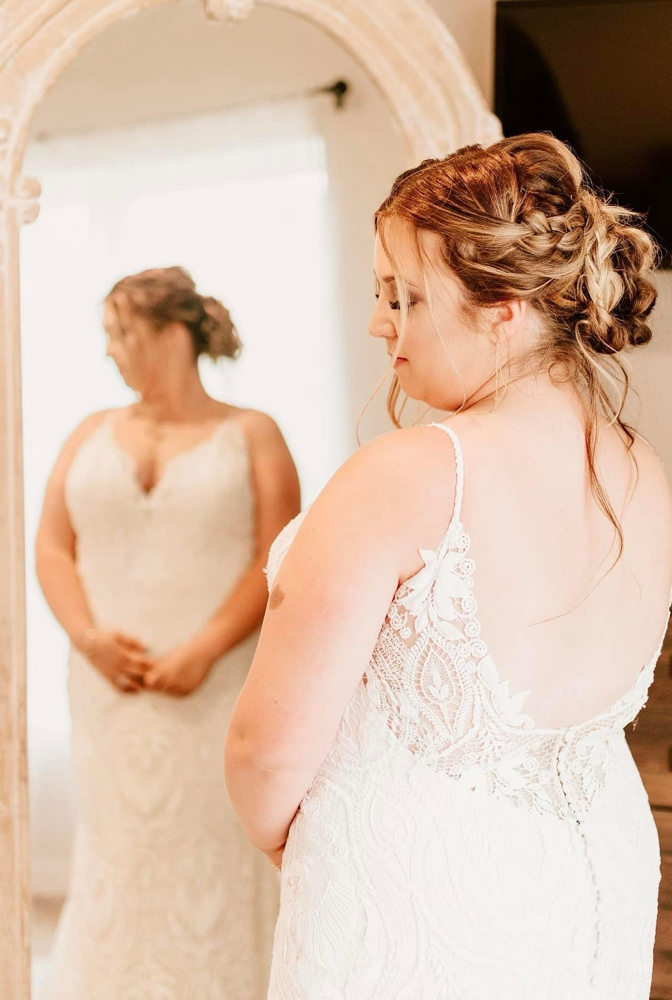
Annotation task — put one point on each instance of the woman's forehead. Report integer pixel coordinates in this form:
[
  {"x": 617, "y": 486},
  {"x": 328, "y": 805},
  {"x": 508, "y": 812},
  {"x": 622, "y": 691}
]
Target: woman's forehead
[
  {"x": 117, "y": 312},
  {"x": 109, "y": 313},
  {"x": 403, "y": 249},
  {"x": 396, "y": 250}
]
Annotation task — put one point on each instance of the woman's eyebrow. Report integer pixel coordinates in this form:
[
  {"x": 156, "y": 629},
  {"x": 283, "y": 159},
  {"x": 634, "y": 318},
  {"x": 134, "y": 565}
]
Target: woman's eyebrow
[{"x": 389, "y": 279}]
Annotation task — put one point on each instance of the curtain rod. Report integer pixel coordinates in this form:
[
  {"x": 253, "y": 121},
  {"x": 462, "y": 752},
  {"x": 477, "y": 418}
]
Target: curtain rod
[{"x": 337, "y": 90}]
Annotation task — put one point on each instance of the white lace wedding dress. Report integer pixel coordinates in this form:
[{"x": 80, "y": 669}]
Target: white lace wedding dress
[
  {"x": 448, "y": 848},
  {"x": 168, "y": 900}
]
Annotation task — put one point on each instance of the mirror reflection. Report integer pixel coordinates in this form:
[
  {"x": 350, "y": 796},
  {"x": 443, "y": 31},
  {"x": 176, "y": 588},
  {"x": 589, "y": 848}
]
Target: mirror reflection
[{"x": 195, "y": 296}]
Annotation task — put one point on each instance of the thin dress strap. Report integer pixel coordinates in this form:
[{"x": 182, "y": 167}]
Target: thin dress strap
[{"x": 459, "y": 468}]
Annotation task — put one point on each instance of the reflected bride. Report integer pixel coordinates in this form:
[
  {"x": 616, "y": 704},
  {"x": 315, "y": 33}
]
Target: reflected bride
[{"x": 154, "y": 533}]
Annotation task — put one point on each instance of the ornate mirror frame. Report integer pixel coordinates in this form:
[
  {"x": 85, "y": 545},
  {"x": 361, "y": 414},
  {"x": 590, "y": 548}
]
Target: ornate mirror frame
[{"x": 406, "y": 50}]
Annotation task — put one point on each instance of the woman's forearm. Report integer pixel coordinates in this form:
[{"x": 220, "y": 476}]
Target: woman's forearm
[
  {"x": 62, "y": 589},
  {"x": 265, "y": 797},
  {"x": 239, "y": 615}
]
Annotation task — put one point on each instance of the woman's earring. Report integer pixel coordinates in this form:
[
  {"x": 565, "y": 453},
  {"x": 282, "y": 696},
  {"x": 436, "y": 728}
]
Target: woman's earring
[{"x": 497, "y": 374}]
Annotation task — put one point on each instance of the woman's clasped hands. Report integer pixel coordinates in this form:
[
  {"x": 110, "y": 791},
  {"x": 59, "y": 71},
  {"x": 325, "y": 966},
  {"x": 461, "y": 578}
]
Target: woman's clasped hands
[{"x": 125, "y": 663}]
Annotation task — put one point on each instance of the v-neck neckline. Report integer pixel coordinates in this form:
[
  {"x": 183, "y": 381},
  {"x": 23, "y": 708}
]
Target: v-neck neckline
[{"x": 130, "y": 464}]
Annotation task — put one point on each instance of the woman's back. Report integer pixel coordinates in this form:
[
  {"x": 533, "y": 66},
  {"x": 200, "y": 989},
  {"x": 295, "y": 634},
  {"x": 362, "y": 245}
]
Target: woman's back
[{"x": 559, "y": 619}]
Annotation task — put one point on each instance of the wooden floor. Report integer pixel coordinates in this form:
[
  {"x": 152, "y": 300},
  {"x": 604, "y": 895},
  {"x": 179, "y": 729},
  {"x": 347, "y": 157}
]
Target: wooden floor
[{"x": 651, "y": 745}]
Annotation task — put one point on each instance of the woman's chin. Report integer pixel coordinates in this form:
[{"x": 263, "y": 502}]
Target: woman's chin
[
  {"x": 414, "y": 389},
  {"x": 131, "y": 382},
  {"x": 410, "y": 387}
]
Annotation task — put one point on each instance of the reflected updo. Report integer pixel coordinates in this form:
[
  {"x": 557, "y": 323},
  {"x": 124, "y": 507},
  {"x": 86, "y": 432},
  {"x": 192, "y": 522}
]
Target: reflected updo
[{"x": 166, "y": 295}]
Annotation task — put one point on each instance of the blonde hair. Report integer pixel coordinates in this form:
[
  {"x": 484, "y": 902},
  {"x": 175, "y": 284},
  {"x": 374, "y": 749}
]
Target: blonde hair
[
  {"x": 168, "y": 295},
  {"x": 520, "y": 220}
]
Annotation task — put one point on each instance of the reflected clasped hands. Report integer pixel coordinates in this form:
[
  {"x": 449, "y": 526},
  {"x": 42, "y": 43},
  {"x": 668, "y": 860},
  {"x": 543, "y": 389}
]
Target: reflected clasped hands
[{"x": 124, "y": 662}]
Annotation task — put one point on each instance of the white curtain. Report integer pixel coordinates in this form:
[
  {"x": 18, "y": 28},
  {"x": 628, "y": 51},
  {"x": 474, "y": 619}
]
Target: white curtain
[{"x": 241, "y": 200}]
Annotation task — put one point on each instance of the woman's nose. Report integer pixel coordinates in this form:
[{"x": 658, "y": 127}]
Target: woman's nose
[
  {"x": 380, "y": 325},
  {"x": 112, "y": 351}
]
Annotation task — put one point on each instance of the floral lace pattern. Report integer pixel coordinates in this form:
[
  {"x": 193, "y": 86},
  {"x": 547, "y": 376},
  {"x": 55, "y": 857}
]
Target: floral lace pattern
[{"x": 432, "y": 676}]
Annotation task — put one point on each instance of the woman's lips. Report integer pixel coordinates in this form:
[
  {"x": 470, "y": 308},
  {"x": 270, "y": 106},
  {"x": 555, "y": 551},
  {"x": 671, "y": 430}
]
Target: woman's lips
[{"x": 400, "y": 361}]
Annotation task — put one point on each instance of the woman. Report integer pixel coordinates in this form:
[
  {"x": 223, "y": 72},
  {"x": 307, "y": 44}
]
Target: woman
[
  {"x": 155, "y": 531},
  {"x": 431, "y": 738}
]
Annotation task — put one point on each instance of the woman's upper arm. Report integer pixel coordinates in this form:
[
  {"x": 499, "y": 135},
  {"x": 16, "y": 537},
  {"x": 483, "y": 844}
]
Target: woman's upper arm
[
  {"x": 55, "y": 529},
  {"x": 330, "y": 599},
  {"x": 275, "y": 480}
]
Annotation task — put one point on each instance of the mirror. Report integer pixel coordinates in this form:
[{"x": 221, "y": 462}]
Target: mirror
[{"x": 253, "y": 158}]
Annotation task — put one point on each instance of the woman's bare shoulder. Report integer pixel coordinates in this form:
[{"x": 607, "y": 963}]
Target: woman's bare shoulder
[
  {"x": 82, "y": 432},
  {"x": 255, "y": 423},
  {"x": 401, "y": 483}
]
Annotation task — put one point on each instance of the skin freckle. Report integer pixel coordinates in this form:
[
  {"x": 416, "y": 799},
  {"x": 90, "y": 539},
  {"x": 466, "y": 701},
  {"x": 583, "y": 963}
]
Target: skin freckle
[{"x": 276, "y": 598}]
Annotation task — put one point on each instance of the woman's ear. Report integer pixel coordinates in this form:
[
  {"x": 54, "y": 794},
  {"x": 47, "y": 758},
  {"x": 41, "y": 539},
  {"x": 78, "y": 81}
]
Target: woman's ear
[{"x": 508, "y": 317}]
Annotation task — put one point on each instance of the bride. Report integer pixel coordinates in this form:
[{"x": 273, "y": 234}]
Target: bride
[
  {"x": 154, "y": 534},
  {"x": 430, "y": 741}
]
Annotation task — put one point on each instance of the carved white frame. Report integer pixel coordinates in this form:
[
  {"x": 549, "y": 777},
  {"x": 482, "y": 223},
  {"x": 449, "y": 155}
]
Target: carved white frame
[{"x": 407, "y": 51}]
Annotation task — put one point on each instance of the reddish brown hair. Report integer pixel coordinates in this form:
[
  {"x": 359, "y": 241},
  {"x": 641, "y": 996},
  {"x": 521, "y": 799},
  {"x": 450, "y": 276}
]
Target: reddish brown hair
[{"x": 520, "y": 220}]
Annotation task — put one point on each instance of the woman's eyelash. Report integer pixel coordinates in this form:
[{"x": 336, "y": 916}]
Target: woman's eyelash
[{"x": 394, "y": 304}]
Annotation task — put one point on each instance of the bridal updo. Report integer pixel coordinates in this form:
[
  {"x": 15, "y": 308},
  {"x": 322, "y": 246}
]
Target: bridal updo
[
  {"x": 166, "y": 295},
  {"x": 520, "y": 220}
]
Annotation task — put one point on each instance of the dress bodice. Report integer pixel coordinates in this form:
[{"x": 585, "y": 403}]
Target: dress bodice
[
  {"x": 187, "y": 541},
  {"x": 433, "y": 680}
]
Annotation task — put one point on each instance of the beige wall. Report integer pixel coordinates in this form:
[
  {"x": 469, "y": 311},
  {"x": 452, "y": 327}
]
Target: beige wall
[
  {"x": 171, "y": 61},
  {"x": 650, "y": 408}
]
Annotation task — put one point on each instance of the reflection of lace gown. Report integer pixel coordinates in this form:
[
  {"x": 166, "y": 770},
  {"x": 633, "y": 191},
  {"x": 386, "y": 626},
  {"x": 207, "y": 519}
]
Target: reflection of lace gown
[
  {"x": 448, "y": 848},
  {"x": 168, "y": 901}
]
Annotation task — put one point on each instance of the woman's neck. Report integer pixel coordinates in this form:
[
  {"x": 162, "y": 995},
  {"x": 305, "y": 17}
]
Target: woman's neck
[
  {"x": 515, "y": 396},
  {"x": 177, "y": 400}
]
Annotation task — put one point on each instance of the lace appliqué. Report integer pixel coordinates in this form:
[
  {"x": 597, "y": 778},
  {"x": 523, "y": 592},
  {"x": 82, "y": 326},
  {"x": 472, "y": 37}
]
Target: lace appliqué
[
  {"x": 432, "y": 676},
  {"x": 433, "y": 684}
]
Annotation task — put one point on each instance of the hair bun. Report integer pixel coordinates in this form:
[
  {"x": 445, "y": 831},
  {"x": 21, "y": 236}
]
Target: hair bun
[
  {"x": 166, "y": 295},
  {"x": 178, "y": 276},
  {"x": 615, "y": 294},
  {"x": 218, "y": 330}
]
